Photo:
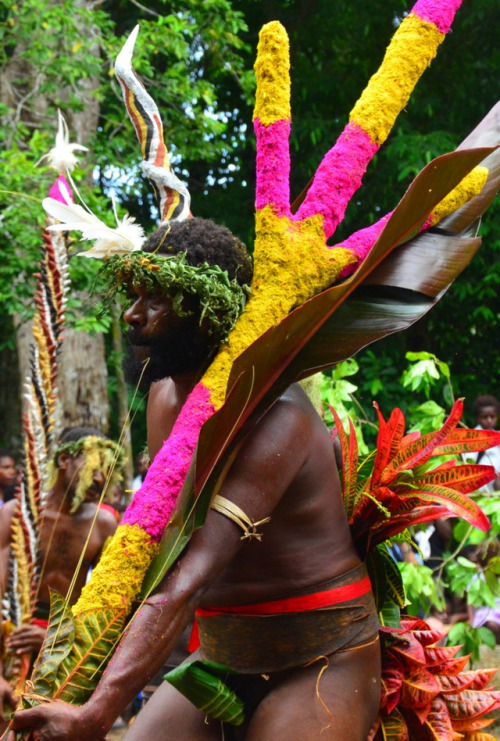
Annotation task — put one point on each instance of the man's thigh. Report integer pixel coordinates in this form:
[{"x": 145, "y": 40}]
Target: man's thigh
[
  {"x": 169, "y": 716},
  {"x": 337, "y": 704}
]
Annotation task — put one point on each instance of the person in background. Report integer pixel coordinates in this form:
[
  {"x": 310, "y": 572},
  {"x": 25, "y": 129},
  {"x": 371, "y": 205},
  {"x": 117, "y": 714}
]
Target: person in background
[
  {"x": 8, "y": 475},
  {"x": 485, "y": 409},
  {"x": 72, "y": 535}
]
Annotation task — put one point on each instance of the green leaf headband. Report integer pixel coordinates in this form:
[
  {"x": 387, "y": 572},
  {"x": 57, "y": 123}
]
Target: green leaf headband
[{"x": 221, "y": 299}]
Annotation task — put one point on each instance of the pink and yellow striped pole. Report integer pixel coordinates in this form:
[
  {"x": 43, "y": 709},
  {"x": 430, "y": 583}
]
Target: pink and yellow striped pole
[{"x": 412, "y": 49}]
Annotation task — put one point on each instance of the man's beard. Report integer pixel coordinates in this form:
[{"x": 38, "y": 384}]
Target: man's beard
[{"x": 176, "y": 357}]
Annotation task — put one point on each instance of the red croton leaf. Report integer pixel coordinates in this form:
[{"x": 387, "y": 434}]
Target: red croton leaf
[
  {"x": 390, "y": 691},
  {"x": 437, "y": 726},
  {"x": 460, "y": 504},
  {"x": 407, "y": 649},
  {"x": 422, "y": 449},
  {"x": 427, "y": 637},
  {"x": 419, "y": 688},
  {"x": 472, "y": 703},
  {"x": 397, "y": 523},
  {"x": 390, "y": 436},
  {"x": 439, "y": 660},
  {"x": 466, "y": 478},
  {"x": 466, "y": 441}
]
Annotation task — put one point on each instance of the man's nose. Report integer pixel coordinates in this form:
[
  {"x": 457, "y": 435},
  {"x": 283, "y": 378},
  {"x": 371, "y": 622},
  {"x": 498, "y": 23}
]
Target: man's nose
[{"x": 134, "y": 315}]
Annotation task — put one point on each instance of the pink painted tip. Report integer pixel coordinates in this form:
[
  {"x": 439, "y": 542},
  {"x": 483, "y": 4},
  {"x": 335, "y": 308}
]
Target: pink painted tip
[
  {"x": 439, "y": 12},
  {"x": 60, "y": 191}
]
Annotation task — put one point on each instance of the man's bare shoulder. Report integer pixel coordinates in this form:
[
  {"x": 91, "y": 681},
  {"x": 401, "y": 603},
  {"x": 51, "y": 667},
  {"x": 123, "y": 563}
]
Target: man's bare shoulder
[
  {"x": 285, "y": 436},
  {"x": 295, "y": 409},
  {"x": 106, "y": 521},
  {"x": 8, "y": 510}
]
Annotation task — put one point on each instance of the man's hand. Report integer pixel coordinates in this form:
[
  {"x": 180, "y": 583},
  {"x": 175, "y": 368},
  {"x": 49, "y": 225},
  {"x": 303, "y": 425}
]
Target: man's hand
[
  {"x": 58, "y": 721},
  {"x": 6, "y": 697},
  {"x": 26, "y": 639}
]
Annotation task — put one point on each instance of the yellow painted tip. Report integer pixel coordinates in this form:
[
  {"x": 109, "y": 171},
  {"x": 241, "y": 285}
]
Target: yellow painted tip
[{"x": 272, "y": 100}]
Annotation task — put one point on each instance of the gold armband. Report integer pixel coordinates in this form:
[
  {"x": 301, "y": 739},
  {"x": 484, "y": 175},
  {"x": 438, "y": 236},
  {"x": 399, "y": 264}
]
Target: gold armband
[{"x": 233, "y": 512}]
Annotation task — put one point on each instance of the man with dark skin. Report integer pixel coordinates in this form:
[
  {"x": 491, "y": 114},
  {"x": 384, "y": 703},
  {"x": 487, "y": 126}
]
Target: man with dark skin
[
  {"x": 485, "y": 409},
  {"x": 63, "y": 537},
  {"x": 7, "y": 472},
  {"x": 286, "y": 471}
]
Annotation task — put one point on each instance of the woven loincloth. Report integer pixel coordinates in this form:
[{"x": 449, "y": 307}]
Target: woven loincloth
[{"x": 267, "y": 637}]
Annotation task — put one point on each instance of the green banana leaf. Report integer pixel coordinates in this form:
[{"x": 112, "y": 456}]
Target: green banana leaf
[
  {"x": 203, "y": 683},
  {"x": 325, "y": 330}
]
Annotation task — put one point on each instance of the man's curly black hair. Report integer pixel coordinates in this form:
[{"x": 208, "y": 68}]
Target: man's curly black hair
[{"x": 203, "y": 241}]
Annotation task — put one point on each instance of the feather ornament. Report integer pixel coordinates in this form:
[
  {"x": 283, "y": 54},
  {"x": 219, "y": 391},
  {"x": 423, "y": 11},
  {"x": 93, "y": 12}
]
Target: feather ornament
[
  {"x": 126, "y": 237},
  {"x": 62, "y": 155}
]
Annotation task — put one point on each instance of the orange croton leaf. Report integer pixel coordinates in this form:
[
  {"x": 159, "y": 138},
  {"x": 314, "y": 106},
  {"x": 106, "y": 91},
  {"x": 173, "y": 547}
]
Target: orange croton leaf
[
  {"x": 453, "y": 666},
  {"x": 467, "y": 441},
  {"x": 482, "y": 678},
  {"x": 393, "y": 728},
  {"x": 478, "y": 736},
  {"x": 419, "y": 688},
  {"x": 471, "y": 724},
  {"x": 472, "y": 703}
]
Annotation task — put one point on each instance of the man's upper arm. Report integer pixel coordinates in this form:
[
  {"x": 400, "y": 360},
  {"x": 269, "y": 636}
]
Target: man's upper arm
[
  {"x": 269, "y": 460},
  {"x": 6, "y": 514},
  {"x": 107, "y": 525}
]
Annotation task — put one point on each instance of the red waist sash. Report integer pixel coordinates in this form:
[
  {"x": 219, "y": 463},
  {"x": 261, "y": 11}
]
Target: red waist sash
[{"x": 300, "y": 603}]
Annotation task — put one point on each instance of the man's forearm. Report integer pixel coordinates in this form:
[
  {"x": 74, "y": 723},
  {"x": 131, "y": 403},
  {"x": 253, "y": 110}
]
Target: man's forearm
[{"x": 147, "y": 642}]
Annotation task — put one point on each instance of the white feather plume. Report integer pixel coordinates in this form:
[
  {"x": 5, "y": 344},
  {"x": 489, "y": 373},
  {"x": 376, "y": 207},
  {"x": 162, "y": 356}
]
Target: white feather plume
[
  {"x": 124, "y": 238},
  {"x": 62, "y": 156}
]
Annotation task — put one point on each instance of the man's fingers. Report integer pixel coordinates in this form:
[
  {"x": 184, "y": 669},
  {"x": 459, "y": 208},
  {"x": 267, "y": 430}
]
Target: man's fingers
[{"x": 28, "y": 718}]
